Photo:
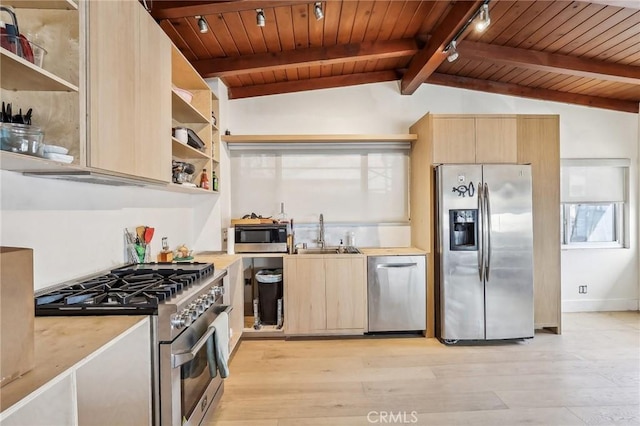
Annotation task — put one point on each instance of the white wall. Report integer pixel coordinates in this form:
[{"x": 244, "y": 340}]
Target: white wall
[
  {"x": 612, "y": 275},
  {"x": 76, "y": 229}
]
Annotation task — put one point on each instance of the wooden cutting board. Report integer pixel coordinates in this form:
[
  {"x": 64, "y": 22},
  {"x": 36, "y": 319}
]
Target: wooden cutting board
[{"x": 250, "y": 221}]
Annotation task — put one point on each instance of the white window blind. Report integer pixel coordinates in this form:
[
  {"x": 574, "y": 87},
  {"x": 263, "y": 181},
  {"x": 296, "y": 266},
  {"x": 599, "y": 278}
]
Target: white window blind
[
  {"x": 359, "y": 184},
  {"x": 594, "y": 180}
]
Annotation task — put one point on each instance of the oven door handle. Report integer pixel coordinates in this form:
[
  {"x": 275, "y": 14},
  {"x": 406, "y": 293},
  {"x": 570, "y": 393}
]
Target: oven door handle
[{"x": 183, "y": 357}]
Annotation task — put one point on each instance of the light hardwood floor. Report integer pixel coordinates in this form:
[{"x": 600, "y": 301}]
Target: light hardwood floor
[{"x": 588, "y": 375}]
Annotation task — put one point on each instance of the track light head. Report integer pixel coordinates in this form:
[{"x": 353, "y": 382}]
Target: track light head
[
  {"x": 484, "y": 19},
  {"x": 451, "y": 51},
  {"x": 260, "y": 19},
  {"x": 202, "y": 24},
  {"x": 317, "y": 10}
]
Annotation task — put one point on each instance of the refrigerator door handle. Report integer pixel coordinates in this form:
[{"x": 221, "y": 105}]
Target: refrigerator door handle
[
  {"x": 481, "y": 205},
  {"x": 487, "y": 209}
]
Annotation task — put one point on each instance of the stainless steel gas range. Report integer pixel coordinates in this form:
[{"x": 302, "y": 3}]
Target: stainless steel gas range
[{"x": 184, "y": 300}]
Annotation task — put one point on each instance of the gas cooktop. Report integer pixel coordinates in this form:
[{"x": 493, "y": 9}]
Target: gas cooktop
[{"x": 130, "y": 290}]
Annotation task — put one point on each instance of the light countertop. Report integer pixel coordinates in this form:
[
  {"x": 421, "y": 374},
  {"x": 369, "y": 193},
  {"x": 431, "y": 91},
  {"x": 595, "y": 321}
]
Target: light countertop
[{"x": 59, "y": 344}]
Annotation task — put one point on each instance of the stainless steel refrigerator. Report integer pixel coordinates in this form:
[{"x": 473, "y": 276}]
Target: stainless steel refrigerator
[{"x": 485, "y": 252}]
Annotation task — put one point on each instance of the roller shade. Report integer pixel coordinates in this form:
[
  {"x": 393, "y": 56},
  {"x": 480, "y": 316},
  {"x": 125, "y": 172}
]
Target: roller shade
[
  {"x": 594, "y": 180},
  {"x": 353, "y": 185}
]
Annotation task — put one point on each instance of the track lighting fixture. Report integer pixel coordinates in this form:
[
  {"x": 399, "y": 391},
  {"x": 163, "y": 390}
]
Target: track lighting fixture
[
  {"x": 317, "y": 10},
  {"x": 485, "y": 19},
  {"x": 202, "y": 24},
  {"x": 260, "y": 19},
  {"x": 451, "y": 51}
]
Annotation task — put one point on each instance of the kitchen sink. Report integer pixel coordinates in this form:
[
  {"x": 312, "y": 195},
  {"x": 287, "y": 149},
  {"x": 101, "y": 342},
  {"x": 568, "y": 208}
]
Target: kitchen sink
[{"x": 327, "y": 250}]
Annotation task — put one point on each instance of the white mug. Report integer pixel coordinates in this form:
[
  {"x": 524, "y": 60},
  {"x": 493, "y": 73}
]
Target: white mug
[{"x": 180, "y": 133}]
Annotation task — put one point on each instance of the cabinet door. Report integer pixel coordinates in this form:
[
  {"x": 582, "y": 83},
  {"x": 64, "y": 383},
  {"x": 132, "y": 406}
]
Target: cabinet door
[
  {"x": 496, "y": 140},
  {"x": 539, "y": 144},
  {"x": 153, "y": 97},
  {"x": 234, "y": 296},
  {"x": 113, "y": 41},
  {"x": 454, "y": 140},
  {"x": 304, "y": 288},
  {"x": 346, "y": 294},
  {"x": 54, "y": 405},
  {"x": 114, "y": 386}
]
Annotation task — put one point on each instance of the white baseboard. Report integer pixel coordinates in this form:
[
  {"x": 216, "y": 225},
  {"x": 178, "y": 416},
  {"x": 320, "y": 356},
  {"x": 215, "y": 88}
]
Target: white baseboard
[{"x": 597, "y": 305}]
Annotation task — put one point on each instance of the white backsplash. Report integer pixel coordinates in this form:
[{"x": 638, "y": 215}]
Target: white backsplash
[{"x": 365, "y": 235}]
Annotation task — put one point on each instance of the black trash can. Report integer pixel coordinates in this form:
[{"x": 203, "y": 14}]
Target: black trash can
[{"x": 269, "y": 291}]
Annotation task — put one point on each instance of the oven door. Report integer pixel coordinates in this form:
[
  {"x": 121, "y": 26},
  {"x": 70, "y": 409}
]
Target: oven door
[{"x": 189, "y": 380}]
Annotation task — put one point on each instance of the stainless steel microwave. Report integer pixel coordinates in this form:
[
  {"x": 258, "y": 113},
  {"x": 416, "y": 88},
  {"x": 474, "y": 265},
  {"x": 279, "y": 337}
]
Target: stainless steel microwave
[{"x": 263, "y": 238}]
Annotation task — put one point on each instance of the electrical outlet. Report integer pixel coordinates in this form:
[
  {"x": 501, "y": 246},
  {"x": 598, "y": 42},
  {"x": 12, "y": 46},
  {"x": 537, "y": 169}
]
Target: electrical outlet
[{"x": 582, "y": 289}]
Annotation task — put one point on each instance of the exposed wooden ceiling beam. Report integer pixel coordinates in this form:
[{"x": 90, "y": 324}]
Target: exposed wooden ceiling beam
[
  {"x": 532, "y": 92},
  {"x": 632, "y": 4},
  {"x": 550, "y": 62},
  {"x": 425, "y": 62},
  {"x": 183, "y": 9},
  {"x": 311, "y": 84},
  {"x": 313, "y": 56}
]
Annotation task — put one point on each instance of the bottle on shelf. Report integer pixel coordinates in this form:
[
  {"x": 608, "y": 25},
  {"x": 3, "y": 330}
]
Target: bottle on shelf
[
  {"x": 204, "y": 179},
  {"x": 214, "y": 181}
]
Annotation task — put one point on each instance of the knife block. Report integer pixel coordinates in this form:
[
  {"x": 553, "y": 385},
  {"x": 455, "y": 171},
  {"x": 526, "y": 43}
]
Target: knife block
[{"x": 16, "y": 313}]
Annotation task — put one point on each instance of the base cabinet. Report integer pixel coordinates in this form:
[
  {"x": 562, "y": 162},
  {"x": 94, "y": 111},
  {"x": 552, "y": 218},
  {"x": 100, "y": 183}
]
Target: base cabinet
[
  {"x": 54, "y": 404},
  {"x": 114, "y": 386},
  {"x": 324, "y": 294},
  {"x": 234, "y": 296},
  {"x": 111, "y": 386}
]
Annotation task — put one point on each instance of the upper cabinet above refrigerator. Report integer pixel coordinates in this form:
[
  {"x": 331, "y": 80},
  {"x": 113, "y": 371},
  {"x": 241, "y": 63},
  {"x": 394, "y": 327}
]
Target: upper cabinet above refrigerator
[{"x": 469, "y": 139}]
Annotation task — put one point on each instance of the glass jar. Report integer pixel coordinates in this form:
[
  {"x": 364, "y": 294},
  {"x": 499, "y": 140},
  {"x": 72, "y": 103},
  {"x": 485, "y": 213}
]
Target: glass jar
[{"x": 21, "y": 138}]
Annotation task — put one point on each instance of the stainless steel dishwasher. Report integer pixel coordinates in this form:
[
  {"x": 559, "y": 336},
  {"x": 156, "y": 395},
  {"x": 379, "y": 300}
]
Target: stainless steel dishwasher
[{"x": 396, "y": 289}]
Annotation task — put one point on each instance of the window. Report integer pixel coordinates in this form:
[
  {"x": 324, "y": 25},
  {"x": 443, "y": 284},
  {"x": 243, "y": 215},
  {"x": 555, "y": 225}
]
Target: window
[
  {"x": 361, "y": 183},
  {"x": 594, "y": 202}
]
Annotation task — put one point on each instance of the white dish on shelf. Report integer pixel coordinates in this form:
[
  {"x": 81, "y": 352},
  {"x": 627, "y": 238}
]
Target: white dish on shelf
[
  {"x": 58, "y": 157},
  {"x": 55, "y": 149},
  {"x": 184, "y": 94}
]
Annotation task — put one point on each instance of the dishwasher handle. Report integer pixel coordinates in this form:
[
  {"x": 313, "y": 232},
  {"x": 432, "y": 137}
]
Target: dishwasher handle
[{"x": 396, "y": 265}]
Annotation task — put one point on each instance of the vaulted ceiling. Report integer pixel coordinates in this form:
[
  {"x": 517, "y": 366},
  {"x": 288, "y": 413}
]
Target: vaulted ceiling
[{"x": 585, "y": 53}]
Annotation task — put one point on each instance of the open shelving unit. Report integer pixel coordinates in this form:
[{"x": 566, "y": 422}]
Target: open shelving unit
[
  {"x": 197, "y": 116},
  {"x": 52, "y": 91}
]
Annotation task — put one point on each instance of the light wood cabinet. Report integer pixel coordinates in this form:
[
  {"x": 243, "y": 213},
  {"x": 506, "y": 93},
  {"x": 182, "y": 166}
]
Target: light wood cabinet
[
  {"x": 324, "y": 294},
  {"x": 345, "y": 291},
  {"x": 304, "y": 295},
  {"x": 472, "y": 139},
  {"x": 496, "y": 140},
  {"x": 522, "y": 139},
  {"x": 454, "y": 140},
  {"x": 51, "y": 90},
  {"x": 130, "y": 91},
  {"x": 112, "y": 49},
  {"x": 152, "y": 146},
  {"x": 539, "y": 145},
  {"x": 195, "y": 115}
]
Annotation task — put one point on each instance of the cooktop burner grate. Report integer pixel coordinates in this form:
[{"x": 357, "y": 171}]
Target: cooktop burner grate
[{"x": 136, "y": 289}]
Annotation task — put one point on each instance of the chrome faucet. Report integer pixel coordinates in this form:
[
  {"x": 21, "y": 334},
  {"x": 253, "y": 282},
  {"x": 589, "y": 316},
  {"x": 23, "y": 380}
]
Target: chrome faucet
[{"x": 321, "y": 238}]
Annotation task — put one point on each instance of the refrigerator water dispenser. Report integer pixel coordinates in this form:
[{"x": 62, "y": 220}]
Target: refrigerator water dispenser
[{"x": 463, "y": 230}]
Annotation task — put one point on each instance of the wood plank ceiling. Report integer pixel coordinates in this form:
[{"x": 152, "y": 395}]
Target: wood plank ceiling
[{"x": 585, "y": 53}]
